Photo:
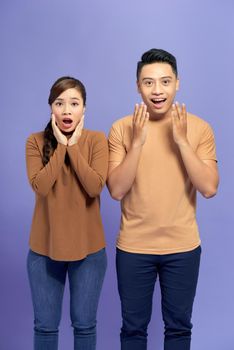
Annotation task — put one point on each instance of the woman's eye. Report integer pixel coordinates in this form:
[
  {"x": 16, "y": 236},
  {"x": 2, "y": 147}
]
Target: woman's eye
[
  {"x": 75, "y": 104},
  {"x": 58, "y": 104}
]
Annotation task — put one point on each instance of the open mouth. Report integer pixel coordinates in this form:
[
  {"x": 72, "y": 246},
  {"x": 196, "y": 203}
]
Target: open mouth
[
  {"x": 67, "y": 121},
  {"x": 158, "y": 102}
]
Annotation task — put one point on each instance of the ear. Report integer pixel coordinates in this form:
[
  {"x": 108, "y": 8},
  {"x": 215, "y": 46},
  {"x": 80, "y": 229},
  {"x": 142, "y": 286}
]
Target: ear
[{"x": 177, "y": 84}]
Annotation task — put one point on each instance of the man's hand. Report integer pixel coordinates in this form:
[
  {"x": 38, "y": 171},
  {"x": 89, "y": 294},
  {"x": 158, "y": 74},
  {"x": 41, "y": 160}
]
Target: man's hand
[
  {"x": 77, "y": 132},
  {"x": 57, "y": 132},
  {"x": 118, "y": 183},
  {"x": 202, "y": 173},
  {"x": 139, "y": 124},
  {"x": 179, "y": 124}
]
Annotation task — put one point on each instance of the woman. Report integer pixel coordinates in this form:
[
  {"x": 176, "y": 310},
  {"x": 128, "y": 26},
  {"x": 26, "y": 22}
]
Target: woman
[{"x": 67, "y": 168}]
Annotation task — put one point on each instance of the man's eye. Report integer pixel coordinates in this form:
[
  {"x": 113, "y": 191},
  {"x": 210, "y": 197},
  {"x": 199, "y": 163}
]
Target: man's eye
[
  {"x": 148, "y": 83},
  {"x": 166, "y": 82}
]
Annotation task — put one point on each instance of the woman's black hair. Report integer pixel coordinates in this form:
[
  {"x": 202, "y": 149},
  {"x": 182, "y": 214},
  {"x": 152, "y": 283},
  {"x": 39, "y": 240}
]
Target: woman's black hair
[{"x": 60, "y": 85}]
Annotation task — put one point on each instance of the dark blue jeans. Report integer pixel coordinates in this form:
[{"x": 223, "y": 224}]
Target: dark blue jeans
[
  {"x": 137, "y": 274},
  {"x": 47, "y": 280}
]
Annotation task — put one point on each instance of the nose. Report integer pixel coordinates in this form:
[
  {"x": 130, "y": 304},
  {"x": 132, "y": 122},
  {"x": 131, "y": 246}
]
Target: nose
[
  {"x": 66, "y": 109},
  {"x": 157, "y": 89}
]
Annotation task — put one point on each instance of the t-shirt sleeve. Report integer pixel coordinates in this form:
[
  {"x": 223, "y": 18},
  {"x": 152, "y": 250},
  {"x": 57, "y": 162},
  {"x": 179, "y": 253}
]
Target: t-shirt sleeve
[
  {"x": 206, "y": 149},
  {"x": 117, "y": 150}
]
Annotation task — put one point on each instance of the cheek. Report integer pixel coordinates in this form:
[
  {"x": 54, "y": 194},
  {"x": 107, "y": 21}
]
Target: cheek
[
  {"x": 143, "y": 95},
  {"x": 54, "y": 111},
  {"x": 171, "y": 94},
  {"x": 78, "y": 120},
  {"x": 78, "y": 115},
  {"x": 58, "y": 118}
]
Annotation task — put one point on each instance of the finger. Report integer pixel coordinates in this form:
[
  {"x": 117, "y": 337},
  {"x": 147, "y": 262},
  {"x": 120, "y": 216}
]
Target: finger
[
  {"x": 139, "y": 113},
  {"x": 146, "y": 119},
  {"x": 174, "y": 116},
  {"x": 53, "y": 118},
  {"x": 135, "y": 112},
  {"x": 82, "y": 121},
  {"x": 184, "y": 112},
  {"x": 143, "y": 115},
  {"x": 178, "y": 109},
  {"x": 80, "y": 125},
  {"x": 79, "y": 128},
  {"x": 53, "y": 123},
  {"x": 174, "y": 111}
]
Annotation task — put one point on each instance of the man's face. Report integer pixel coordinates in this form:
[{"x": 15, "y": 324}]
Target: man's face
[{"x": 157, "y": 85}]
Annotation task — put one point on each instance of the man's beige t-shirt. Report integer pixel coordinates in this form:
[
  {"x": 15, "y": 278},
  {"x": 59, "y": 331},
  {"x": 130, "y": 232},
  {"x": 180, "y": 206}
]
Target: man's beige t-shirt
[{"x": 159, "y": 212}]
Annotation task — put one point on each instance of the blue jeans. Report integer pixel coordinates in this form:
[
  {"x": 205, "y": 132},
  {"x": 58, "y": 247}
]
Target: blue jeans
[
  {"x": 137, "y": 274},
  {"x": 47, "y": 281}
]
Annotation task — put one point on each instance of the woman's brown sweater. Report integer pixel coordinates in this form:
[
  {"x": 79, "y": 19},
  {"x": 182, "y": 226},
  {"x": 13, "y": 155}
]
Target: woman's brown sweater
[{"x": 66, "y": 224}]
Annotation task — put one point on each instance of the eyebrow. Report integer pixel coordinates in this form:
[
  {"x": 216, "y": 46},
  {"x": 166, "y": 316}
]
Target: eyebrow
[
  {"x": 166, "y": 77},
  {"x": 72, "y": 98}
]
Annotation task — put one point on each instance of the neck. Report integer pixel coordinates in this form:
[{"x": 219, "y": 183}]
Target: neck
[
  {"x": 160, "y": 117},
  {"x": 67, "y": 134}
]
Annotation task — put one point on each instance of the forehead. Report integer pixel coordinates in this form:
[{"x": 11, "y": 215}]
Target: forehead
[
  {"x": 157, "y": 70},
  {"x": 70, "y": 93}
]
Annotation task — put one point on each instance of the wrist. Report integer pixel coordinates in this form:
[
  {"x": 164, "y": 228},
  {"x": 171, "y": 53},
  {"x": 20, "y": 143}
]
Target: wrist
[
  {"x": 71, "y": 143},
  {"x": 62, "y": 142},
  {"x": 136, "y": 146},
  {"x": 183, "y": 143},
  {"x": 137, "y": 143}
]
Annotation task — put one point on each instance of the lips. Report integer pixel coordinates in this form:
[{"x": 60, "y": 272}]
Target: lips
[
  {"x": 67, "y": 122},
  {"x": 158, "y": 102}
]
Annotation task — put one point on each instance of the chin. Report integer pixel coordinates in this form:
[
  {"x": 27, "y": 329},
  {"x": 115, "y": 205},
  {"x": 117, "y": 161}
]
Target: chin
[
  {"x": 67, "y": 131},
  {"x": 160, "y": 113},
  {"x": 157, "y": 114}
]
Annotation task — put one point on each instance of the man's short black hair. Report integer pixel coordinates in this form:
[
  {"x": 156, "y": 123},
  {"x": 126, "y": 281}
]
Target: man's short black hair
[{"x": 157, "y": 55}]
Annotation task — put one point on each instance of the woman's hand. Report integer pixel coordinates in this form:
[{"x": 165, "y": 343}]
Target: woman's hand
[
  {"x": 77, "y": 132},
  {"x": 57, "y": 133}
]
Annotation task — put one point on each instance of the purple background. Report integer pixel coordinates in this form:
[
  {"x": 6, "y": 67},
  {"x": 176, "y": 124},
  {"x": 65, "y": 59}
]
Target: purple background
[{"x": 100, "y": 43}]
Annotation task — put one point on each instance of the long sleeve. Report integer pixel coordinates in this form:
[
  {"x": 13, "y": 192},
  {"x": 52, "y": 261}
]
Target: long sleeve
[
  {"x": 92, "y": 175},
  {"x": 42, "y": 178}
]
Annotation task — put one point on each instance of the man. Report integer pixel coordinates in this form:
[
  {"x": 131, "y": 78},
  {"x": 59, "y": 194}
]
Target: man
[{"x": 159, "y": 158}]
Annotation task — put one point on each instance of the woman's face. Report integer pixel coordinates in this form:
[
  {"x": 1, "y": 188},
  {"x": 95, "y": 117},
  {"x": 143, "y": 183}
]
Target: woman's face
[{"x": 68, "y": 108}]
